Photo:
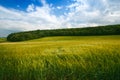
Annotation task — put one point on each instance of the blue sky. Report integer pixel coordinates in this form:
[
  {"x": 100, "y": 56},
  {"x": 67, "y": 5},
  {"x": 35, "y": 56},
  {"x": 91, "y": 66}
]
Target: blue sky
[{"x": 25, "y": 15}]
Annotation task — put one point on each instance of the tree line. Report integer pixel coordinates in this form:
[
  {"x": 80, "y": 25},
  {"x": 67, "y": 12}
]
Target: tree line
[{"x": 88, "y": 31}]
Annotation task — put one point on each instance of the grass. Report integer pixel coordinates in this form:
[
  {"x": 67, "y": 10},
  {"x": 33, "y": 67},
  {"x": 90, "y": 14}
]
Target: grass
[
  {"x": 2, "y": 40},
  {"x": 61, "y": 58}
]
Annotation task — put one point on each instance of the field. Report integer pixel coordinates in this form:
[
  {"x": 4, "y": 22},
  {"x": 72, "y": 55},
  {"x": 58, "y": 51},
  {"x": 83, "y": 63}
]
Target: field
[
  {"x": 61, "y": 58},
  {"x": 2, "y": 40}
]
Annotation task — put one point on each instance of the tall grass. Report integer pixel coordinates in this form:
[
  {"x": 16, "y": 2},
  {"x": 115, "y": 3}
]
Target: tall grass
[
  {"x": 58, "y": 58},
  {"x": 2, "y": 40}
]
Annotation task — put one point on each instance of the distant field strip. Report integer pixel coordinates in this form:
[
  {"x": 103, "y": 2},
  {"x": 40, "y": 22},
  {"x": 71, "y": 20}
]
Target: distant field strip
[{"x": 61, "y": 58}]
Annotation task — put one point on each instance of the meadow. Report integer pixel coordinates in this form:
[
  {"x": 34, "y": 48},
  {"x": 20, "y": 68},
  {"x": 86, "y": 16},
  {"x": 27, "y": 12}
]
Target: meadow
[
  {"x": 61, "y": 58},
  {"x": 2, "y": 40}
]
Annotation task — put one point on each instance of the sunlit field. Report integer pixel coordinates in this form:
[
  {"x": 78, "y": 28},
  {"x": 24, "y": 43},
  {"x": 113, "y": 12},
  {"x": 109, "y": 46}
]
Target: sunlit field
[{"x": 61, "y": 58}]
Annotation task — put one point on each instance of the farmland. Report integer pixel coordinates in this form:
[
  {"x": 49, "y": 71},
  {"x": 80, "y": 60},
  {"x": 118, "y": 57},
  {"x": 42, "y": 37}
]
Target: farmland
[
  {"x": 2, "y": 40},
  {"x": 61, "y": 58}
]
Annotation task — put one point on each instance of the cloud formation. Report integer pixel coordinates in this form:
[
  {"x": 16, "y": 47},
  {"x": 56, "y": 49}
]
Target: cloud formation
[{"x": 81, "y": 13}]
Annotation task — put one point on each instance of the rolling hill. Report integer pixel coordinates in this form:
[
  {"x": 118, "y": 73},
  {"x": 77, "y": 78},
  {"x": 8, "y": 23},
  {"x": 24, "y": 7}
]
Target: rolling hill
[{"x": 89, "y": 31}]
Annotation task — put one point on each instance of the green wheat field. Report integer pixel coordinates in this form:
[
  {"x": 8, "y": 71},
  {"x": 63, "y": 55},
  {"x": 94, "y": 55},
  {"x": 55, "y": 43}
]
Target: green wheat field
[{"x": 61, "y": 58}]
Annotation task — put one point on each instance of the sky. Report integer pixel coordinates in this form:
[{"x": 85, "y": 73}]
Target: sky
[{"x": 25, "y": 15}]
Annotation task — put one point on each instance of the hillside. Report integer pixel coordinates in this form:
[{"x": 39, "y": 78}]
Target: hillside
[{"x": 89, "y": 31}]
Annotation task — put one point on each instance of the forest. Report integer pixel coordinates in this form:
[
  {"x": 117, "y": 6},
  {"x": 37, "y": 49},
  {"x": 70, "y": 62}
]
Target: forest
[{"x": 87, "y": 31}]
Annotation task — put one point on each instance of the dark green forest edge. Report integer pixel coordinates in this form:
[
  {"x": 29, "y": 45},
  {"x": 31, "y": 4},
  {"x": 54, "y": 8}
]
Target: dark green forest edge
[{"x": 89, "y": 31}]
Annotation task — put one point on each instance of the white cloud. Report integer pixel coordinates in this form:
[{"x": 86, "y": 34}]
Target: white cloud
[
  {"x": 22, "y": 21},
  {"x": 81, "y": 13},
  {"x": 31, "y": 8},
  {"x": 59, "y": 7},
  {"x": 84, "y": 12}
]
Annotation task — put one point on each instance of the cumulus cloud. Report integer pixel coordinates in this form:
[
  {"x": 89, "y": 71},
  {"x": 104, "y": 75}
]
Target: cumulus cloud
[
  {"x": 31, "y": 8},
  {"x": 59, "y": 7},
  {"x": 39, "y": 19},
  {"x": 89, "y": 12},
  {"x": 81, "y": 13}
]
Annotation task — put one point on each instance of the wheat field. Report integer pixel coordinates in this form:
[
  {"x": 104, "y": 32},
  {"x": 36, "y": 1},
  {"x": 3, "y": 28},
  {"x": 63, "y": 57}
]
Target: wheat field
[{"x": 61, "y": 58}]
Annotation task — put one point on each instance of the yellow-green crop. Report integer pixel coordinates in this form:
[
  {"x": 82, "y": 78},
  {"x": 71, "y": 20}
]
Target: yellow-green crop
[{"x": 61, "y": 58}]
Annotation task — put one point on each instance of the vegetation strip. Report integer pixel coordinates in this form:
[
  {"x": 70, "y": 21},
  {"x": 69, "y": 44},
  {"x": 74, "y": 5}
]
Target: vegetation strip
[{"x": 89, "y": 31}]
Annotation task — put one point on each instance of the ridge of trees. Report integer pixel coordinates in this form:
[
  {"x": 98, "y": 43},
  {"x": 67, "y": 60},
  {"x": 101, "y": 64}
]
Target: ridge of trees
[{"x": 88, "y": 31}]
